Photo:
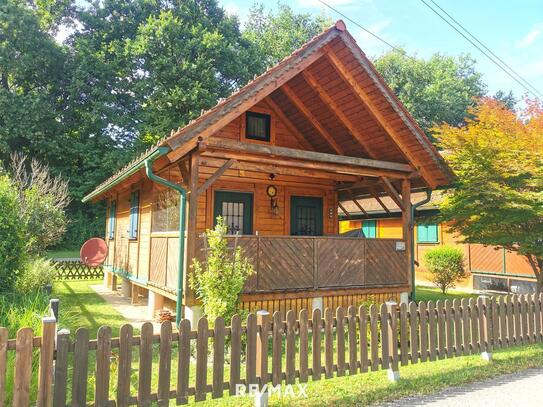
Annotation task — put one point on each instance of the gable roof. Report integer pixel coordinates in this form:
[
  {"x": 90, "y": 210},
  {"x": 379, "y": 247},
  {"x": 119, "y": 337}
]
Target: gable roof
[{"x": 379, "y": 116}]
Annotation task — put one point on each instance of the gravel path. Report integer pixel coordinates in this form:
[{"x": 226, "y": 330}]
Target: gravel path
[{"x": 522, "y": 389}]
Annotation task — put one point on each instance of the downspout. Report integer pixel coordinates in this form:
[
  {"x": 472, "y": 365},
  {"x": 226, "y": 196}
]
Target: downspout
[
  {"x": 182, "y": 209},
  {"x": 413, "y": 210}
]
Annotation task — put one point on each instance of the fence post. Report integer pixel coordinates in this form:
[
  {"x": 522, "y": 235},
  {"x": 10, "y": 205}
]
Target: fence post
[
  {"x": 54, "y": 304},
  {"x": 61, "y": 368},
  {"x": 393, "y": 370},
  {"x": 485, "y": 336},
  {"x": 262, "y": 321},
  {"x": 45, "y": 378}
]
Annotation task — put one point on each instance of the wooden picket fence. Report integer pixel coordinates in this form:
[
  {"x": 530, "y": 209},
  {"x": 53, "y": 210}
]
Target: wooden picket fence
[
  {"x": 263, "y": 350},
  {"x": 75, "y": 269}
]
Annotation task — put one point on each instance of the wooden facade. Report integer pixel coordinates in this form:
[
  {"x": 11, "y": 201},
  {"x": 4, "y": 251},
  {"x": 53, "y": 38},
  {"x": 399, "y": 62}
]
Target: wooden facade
[
  {"x": 489, "y": 268},
  {"x": 275, "y": 159}
]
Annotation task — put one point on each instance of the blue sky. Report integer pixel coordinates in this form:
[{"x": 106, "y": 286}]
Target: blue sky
[{"x": 513, "y": 29}]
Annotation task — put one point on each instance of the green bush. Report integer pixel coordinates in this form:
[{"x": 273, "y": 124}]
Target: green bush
[
  {"x": 219, "y": 281},
  {"x": 12, "y": 242},
  {"x": 446, "y": 266},
  {"x": 35, "y": 275}
]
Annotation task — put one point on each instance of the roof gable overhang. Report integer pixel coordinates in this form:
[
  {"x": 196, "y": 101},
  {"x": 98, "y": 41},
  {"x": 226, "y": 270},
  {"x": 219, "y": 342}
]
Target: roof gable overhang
[{"x": 396, "y": 137}]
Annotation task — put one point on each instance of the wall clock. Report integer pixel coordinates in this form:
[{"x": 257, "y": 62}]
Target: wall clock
[{"x": 271, "y": 190}]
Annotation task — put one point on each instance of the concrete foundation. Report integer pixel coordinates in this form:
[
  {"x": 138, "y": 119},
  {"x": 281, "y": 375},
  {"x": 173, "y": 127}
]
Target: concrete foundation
[
  {"x": 155, "y": 302},
  {"x": 193, "y": 313},
  {"x": 126, "y": 288},
  {"x": 261, "y": 399},
  {"x": 393, "y": 375},
  {"x": 317, "y": 303}
]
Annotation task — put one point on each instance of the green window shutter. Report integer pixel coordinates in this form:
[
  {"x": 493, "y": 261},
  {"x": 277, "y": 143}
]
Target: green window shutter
[
  {"x": 427, "y": 233},
  {"x": 369, "y": 228},
  {"x": 134, "y": 215},
  {"x": 112, "y": 214}
]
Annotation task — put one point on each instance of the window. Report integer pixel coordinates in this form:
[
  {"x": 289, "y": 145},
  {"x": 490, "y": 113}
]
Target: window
[
  {"x": 111, "y": 226},
  {"x": 236, "y": 210},
  {"x": 369, "y": 228},
  {"x": 258, "y": 126},
  {"x": 427, "y": 233},
  {"x": 134, "y": 215},
  {"x": 166, "y": 212}
]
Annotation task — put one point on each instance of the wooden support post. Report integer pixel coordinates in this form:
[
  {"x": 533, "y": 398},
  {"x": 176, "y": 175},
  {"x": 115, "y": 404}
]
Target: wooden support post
[
  {"x": 407, "y": 226},
  {"x": 191, "y": 224}
]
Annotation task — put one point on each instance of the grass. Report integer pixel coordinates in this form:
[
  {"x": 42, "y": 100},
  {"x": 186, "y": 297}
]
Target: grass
[
  {"x": 63, "y": 253},
  {"x": 424, "y": 378},
  {"x": 81, "y": 306},
  {"x": 424, "y": 293}
]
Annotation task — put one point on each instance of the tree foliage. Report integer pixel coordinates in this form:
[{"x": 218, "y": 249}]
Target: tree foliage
[
  {"x": 12, "y": 253},
  {"x": 497, "y": 198},
  {"x": 275, "y": 35},
  {"x": 437, "y": 90},
  {"x": 446, "y": 266}
]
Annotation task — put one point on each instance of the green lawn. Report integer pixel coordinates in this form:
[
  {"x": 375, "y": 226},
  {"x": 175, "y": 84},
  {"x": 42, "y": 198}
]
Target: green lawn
[
  {"x": 81, "y": 306},
  {"x": 64, "y": 253},
  {"x": 424, "y": 293}
]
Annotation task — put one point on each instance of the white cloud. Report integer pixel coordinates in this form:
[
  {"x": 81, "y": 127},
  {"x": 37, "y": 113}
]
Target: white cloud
[{"x": 531, "y": 37}]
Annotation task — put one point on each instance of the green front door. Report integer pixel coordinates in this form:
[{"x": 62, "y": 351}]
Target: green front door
[
  {"x": 305, "y": 216},
  {"x": 236, "y": 209}
]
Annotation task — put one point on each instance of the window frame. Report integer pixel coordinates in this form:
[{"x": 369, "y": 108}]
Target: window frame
[
  {"x": 267, "y": 116},
  {"x": 133, "y": 222},
  {"x": 370, "y": 223},
  {"x": 246, "y": 197},
  {"x": 426, "y": 239},
  {"x": 112, "y": 219}
]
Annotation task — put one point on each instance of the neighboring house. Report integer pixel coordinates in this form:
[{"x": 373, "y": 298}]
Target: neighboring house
[
  {"x": 273, "y": 160},
  {"x": 489, "y": 268}
]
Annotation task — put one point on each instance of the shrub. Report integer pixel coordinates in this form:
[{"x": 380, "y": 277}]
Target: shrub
[
  {"x": 446, "y": 266},
  {"x": 219, "y": 281},
  {"x": 35, "y": 275},
  {"x": 43, "y": 199},
  {"x": 12, "y": 241}
]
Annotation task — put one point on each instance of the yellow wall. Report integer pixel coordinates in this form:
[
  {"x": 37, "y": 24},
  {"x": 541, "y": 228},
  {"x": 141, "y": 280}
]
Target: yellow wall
[{"x": 386, "y": 228}]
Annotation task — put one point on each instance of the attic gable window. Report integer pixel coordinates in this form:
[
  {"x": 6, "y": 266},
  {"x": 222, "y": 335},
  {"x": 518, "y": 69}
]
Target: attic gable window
[{"x": 258, "y": 126}]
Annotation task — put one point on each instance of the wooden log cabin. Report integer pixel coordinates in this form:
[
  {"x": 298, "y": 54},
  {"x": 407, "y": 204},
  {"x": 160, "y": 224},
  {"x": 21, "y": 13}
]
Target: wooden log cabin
[{"x": 275, "y": 159}]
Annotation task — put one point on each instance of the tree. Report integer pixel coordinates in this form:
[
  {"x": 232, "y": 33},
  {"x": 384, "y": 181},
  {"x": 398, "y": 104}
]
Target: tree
[
  {"x": 435, "y": 91},
  {"x": 497, "y": 198},
  {"x": 276, "y": 35},
  {"x": 446, "y": 266},
  {"x": 144, "y": 67}
]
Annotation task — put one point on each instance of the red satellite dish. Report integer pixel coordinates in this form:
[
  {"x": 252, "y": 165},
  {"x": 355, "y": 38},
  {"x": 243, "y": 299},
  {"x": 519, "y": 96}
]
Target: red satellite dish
[{"x": 93, "y": 252}]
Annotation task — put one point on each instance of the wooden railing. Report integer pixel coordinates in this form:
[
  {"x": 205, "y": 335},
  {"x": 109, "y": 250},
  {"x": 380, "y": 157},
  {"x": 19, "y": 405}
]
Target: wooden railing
[
  {"x": 301, "y": 262},
  {"x": 75, "y": 269},
  {"x": 214, "y": 359}
]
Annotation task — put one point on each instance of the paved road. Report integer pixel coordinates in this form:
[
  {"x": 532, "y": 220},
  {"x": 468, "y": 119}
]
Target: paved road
[{"x": 523, "y": 389}]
